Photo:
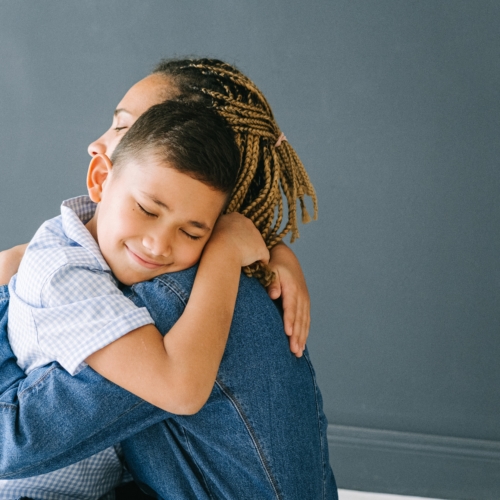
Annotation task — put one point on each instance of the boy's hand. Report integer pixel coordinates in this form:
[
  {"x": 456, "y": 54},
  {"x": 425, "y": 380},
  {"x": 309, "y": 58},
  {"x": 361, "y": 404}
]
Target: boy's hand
[
  {"x": 9, "y": 262},
  {"x": 238, "y": 233},
  {"x": 290, "y": 285}
]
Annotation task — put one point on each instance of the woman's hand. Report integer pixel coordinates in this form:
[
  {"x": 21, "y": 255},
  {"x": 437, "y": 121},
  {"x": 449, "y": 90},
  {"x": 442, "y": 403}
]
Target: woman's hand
[
  {"x": 290, "y": 285},
  {"x": 9, "y": 262}
]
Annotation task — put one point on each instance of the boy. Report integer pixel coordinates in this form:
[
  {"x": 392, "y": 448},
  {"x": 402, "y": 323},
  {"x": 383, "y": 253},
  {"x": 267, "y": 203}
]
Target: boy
[{"x": 151, "y": 209}]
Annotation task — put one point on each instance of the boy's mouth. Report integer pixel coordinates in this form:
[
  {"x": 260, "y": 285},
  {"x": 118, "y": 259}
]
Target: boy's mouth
[{"x": 147, "y": 263}]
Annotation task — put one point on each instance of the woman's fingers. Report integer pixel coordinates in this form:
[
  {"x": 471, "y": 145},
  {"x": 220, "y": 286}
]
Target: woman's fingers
[
  {"x": 274, "y": 289},
  {"x": 290, "y": 306},
  {"x": 291, "y": 286},
  {"x": 299, "y": 329},
  {"x": 296, "y": 310},
  {"x": 296, "y": 316},
  {"x": 303, "y": 323}
]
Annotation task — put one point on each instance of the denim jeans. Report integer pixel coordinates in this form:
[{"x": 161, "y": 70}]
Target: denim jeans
[{"x": 262, "y": 433}]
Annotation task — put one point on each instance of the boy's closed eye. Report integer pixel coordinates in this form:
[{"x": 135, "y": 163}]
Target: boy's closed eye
[
  {"x": 191, "y": 236},
  {"x": 149, "y": 214}
]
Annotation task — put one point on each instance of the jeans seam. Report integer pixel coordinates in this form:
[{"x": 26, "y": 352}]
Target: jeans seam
[
  {"x": 167, "y": 282},
  {"x": 253, "y": 437},
  {"x": 174, "y": 287},
  {"x": 27, "y": 389},
  {"x": 7, "y": 406},
  {"x": 38, "y": 381},
  {"x": 319, "y": 424},
  {"x": 192, "y": 456}
]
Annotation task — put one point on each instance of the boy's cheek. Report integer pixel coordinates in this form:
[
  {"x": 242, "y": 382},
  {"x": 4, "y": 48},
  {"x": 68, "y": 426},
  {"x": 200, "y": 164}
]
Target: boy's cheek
[{"x": 191, "y": 257}]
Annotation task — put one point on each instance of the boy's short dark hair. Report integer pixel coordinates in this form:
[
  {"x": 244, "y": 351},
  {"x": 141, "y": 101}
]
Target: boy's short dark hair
[{"x": 190, "y": 137}]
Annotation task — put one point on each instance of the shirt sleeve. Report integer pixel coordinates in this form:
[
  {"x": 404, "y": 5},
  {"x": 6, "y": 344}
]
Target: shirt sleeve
[{"x": 83, "y": 311}]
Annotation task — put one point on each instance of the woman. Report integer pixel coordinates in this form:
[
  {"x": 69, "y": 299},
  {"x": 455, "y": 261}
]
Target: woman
[{"x": 262, "y": 433}]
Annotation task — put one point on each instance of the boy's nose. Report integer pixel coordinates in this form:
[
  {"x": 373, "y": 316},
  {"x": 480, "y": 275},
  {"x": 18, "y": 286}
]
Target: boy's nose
[{"x": 157, "y": 246}]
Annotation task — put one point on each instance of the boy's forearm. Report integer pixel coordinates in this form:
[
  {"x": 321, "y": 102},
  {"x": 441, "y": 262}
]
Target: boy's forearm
[
  {"x": 201, "y": 333},
  {"x": 177, "y": 372},
  {"x": 196, "y": 343}
]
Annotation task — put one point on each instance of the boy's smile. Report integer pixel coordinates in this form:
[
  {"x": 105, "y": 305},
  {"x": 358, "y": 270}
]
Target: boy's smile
[
  {"x": 150, "y": 219},
  {"x": 147, "y": 263}
]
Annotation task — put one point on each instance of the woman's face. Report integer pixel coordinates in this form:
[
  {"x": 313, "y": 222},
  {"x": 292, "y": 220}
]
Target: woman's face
[{"x": 152, "y": 90}]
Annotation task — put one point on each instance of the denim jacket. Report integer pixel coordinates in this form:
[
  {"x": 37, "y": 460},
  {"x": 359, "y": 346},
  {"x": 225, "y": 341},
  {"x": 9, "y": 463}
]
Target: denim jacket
[{"x": 262, "y": 432}]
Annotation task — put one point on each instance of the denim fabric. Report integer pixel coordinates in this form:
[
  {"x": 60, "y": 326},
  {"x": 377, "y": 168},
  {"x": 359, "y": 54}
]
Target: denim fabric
[
  {"x": 50, "y": 419},
  {"x": 262, "y": 434},
  {"x": 10, "y": 374}
]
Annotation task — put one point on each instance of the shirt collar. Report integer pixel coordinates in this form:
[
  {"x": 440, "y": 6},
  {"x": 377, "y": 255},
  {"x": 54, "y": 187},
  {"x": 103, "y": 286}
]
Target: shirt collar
[{"x": 75, "y": 213}]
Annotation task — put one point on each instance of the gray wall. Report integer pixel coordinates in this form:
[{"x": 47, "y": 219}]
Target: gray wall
[{"x": 394, "y": 108}]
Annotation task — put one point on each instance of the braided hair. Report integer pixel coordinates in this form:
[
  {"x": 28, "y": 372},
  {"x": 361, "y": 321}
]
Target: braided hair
[{"x": 270, "y": 167}]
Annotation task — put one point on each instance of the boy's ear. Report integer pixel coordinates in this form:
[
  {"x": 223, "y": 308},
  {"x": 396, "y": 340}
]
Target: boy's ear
[{"x": 99, "y": 169}]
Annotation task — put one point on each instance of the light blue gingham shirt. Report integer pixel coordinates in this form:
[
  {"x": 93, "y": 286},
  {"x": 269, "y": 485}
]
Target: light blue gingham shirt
[{"x": 65, "y": 305}]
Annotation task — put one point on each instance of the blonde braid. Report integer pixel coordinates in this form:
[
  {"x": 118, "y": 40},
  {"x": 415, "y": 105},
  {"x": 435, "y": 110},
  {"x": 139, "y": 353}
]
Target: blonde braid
[{"x": 268, "y": 171}]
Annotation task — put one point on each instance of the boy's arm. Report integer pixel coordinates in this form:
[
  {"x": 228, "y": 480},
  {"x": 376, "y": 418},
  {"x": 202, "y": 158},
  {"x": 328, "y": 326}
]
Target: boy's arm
[
  {"x": 177, "y": 372},
  {"x": 51, "y": 419}
]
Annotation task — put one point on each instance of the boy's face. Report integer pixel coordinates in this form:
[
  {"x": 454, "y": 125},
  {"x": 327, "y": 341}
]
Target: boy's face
[{"x": 151, "y": 219}]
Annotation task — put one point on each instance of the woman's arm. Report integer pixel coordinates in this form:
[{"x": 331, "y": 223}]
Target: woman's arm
[
  {"x": 177, "y": 372},
  {"x": 290, "y": 285},
  {"x": 9, "y": 262}
]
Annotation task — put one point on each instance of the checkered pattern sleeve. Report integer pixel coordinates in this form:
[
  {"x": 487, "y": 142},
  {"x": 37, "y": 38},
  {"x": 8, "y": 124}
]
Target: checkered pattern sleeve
[{"x": 82, "y": 311}]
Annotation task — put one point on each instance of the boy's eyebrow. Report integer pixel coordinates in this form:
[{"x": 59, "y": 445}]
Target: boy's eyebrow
[
  {"x": 194, "y": 223},
  {"x": 199, "y": 225}
]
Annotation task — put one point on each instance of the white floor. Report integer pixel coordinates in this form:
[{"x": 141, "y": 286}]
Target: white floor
[{"x": 362, "y": 495}]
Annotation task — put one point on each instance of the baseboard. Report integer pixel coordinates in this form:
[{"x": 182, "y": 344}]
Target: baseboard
[{"x": 407, "y": 463}]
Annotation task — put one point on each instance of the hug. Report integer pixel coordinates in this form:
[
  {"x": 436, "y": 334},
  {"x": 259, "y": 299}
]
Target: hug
[{"x": 131, "y": 341}]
